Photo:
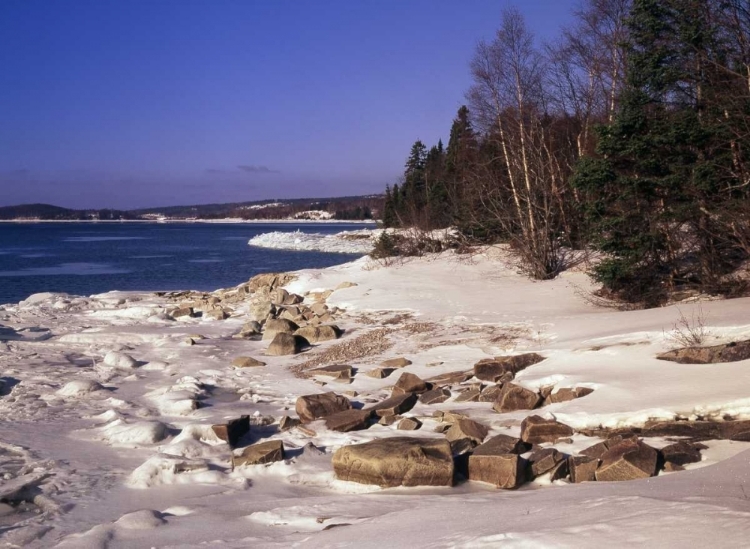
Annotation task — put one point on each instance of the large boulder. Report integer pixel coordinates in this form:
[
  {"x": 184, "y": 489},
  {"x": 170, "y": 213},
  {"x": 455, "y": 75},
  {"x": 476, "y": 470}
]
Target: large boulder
[
  {"x": 493, "y": 369},
  {"x": 537, "y": 430},
  {"x": 317, "y": 334},
  {"x": 489, "y": 463},
  {"x": 275, "y": 326},
  {"x": 435, "y": 396},
  {"x": 545, "y": 460},
  {"x": 348, "y": 420},
  {"x": 397, "y": 404},
  {"x": 467, "y": 428},
  {"x": 729, "y": 352},
  {"x": 410, "y": 383},
  {"x": 257, "y": 454},
  {"x": 396, "y": 461},
  {"x": 312, "y": 407},
  {"x": 567, "y": 393},
  {"x": 506, "y": 444},
  {"x": 682, "y": 453},
  {"x": 629, "y": 460},
  {"x": 514, "y": 397},
  {"x": 583, "y": 468},
  {"x": 233, "y": 430},
  {"x": 284, "y": 344},
  {"x": 380, "y": 372}
]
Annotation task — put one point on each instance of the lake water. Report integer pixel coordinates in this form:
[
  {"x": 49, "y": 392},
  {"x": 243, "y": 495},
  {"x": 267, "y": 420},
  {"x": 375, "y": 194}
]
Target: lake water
[{"x": 90, "y": 258}]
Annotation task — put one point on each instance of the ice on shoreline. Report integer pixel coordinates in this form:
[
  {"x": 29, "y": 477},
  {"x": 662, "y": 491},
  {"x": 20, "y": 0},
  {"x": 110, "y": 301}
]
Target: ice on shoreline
[{"x": 346, "y": 242}]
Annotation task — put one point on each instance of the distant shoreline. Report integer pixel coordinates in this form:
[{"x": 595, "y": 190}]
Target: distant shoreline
[{"x": 224, "y": 220}]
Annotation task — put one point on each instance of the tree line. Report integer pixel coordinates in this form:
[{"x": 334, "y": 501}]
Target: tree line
[{"x": 628, "y": 135}]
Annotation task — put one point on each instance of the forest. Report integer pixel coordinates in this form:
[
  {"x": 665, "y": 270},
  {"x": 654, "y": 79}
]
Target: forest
[{"x": 625, "y": 138}]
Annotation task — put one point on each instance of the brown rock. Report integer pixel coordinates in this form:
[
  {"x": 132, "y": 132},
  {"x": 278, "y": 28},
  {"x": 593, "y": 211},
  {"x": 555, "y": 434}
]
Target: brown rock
[
  {"x": 545, "y": 460},
  {"x": 285, "y": 344},
  {"x": 467, "y": 428},
  {"x": 565, "y": 394},
  {"x": 263, "y": 452},
  {"x": 182, "y": 312},
  {"x": 348, "y": 420},
  {"x": 232, "y": 431},
  {"x": 380, "y": 373},
  {"x": 399, "y": 362},
  {"x": 312, "y": 407},
  {"x": 536, "y": 430},
  {"x": 317, "y": 334},
  {"x": 450, "y": 378},
  {"x": 583, "y": 468},
  {"x": 490, "y": 393},
  {"x": 339, "y": 372},
  {"x": 505, "y": 444},
  {"x": 396, "y": 461},
  {"x": 503, "y": 470},
  {"x": 471, "y": 395},
  {"x": 682, "y": 453},
  {"x": 397, "y": 404},
  {"x": 671, "y": 467},
  {"x": 246, "y": 362},
  {"x": 286, "y": 423},
  {"x": 435, "y": 396},
  {"x": 409, "y": 424},
  {"x": 514, "y": 397},
  {"x": 630, "y": 459},
  {"x": 492, "y": 369},
  {"x": 696, "y": 430},
  {"x": 275, "y": 326},
  {"x": 409, "y": 383},
  {"x": 389, "y": 420},
  {"x": 729, "y": 352}
]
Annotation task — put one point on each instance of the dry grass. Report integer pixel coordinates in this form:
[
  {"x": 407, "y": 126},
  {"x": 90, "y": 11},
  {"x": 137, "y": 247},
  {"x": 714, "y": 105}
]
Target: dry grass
[{"x": 689, "y": 332}]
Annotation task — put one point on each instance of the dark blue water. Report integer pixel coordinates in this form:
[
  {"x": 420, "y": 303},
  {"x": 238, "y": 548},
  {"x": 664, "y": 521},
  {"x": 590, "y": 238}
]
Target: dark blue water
[{"x": 89, "y": 258}]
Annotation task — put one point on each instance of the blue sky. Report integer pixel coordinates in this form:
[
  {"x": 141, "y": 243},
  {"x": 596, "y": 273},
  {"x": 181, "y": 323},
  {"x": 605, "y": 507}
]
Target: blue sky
[{"x": 134, "y": 103}]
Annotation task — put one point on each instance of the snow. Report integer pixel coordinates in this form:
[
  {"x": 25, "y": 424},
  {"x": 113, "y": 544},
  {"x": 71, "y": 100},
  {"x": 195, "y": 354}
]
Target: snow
[
  {"x": 345, "y": 242},
  {"x": 108, "y": 419}
]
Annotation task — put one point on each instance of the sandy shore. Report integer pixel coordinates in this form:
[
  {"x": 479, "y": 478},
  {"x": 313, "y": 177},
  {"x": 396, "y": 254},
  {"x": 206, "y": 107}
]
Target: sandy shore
[{"x": 122, "y": 453}]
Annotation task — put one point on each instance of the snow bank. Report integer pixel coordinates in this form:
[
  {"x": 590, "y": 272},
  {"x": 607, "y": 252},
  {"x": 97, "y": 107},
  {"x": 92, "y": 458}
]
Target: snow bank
[{"x": 346, "y": 242}]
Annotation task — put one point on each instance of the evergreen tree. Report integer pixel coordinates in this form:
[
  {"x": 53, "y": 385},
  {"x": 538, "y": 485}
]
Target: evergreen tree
[
  {"x": 460, "y": 157},
  {"x": 389, "y": 213}
]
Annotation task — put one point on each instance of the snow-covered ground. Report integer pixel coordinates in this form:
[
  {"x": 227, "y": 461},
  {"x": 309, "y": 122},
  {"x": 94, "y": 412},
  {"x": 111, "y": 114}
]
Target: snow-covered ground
[{"x": 106, "y": 412}]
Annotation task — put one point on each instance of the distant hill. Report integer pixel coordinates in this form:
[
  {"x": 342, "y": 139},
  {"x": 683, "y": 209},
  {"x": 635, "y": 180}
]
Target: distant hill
[
  {"x": 354, "y": 208},
  {"x": 54, "y": 213}
]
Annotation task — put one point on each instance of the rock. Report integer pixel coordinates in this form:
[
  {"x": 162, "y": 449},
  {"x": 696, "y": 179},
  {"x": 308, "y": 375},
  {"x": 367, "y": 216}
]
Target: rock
[
  {"x": 397, "y": 404},
  {"x": 545, "y": 460},
  {"x": 682, "y": 453},
  {"x": 246, "y": 362},
  {"x": 263, "y": 452},
  {"x": 670, "y": 467},
  {"x": 316, "y": 334},
  {"x": 396, "y": 461},
  {"x": 696, "y": 430},
  {"x": 319, "y": 308},
  {"x": 514, "y": 397},
  {"x": 252, "y": 327},
  {"x": 599, "y": 449},
  {"x": 409, "y": 383},
  {"x": 189, "y": 341},
  {"x": 181, "y": 312},
  {"x": 537, "y": 430},
  {"x": 490, "y": 393},
  {"x": 285, "y": 344},
  {"x": 471, "y": 395},
  {"x": 451, "y": 378},
  {"x": 729, "y": 352},
  {"x": 400, "y": 362},
  {"x": 340, "y": 372},
  {"x": 233, "y": 430},
  {"x": 435, "y": 396},
  {"x": 388, "y": 420},
  {"x": 286, "y": 423},
  {"x": 467, "y": 428},
  {"x": 380, "y": 373},
  {"x": 628, "y": 460},
  {"x": 293, "y": 299},
  {"x": 409, "y": 424},
  {"x": 492, "y": 369},
  {"x": 278, "y": 296},
  {"x": 217, "y": 314},
  {"x": 275, "y": 326},
  {"x": 505, "y": 444},
  {"x": 269, "y": 281},
  {"x": 583, "y": 468},
  {"x": 345, "y": 285},
  {"x": 565, "y": 394},
  {"x": 449, "y": 416},
  {"x": 348, "y": 420},
  {"x": 312, "y": 407},
  {"x": 121, "y": 361},
  {"x": 503, "y": 470}
]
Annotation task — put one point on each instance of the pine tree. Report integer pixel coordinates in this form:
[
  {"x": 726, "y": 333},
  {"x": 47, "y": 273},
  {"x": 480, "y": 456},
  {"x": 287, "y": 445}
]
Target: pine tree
[
  {"x": 459, "y": 159},
  {"x": 389, "y": 214}
]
